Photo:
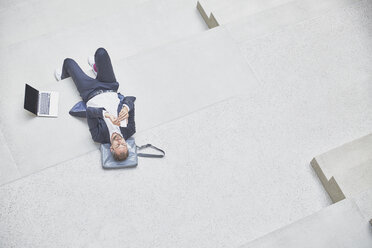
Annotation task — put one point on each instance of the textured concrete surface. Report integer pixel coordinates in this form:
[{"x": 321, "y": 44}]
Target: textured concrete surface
[
  {"x": 234, "y": 171},
  {"x": 340, "y": 225},
  {"x": 52, "y": 31},
  {"x": 318, "y": 70},
  {"x": 281, "y": 16},
  {"x": 185, "y": 76},
  {"x": 23, "y": 20},
  {"x": 8, "y": 168},
  {"x": 364, "y": 202},
  {"x": 122, "y": 34},
  {"x": 36, "y": 143},
  {"x": 303, "y": 62},
  {"x": 213, "y": 189},
  {"x": 169, "y": 82}
]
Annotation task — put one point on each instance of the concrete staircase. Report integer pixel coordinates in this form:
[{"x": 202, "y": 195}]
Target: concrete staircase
[
  {"x": 239, "y": 109},
  {"x": 229, "y": 11},
  {"x": 340, "y": 225},
  {"x": 344, "y": 224},
  {"x": 37, "y": 56},
  {"x": 346, "y": 170},
  {"x": 254, "y": 15},
  {"x": 24, "y": 20}
]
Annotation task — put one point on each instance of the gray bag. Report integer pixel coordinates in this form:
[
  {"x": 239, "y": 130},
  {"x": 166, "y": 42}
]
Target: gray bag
[{"x": 108, "y": 162}]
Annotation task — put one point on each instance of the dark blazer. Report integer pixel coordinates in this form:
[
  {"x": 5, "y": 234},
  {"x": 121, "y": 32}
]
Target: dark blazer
[{"x": 98, "y": 128}]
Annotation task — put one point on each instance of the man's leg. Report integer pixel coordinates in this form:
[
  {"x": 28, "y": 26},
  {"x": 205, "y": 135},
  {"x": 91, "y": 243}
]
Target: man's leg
[
  {"x": 105, "y": 73},
  {"x": 82, "y": 81}
]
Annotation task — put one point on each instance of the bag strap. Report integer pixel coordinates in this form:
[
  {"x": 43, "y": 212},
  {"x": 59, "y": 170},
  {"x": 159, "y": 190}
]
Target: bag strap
[{"x": 148, "y": 155}]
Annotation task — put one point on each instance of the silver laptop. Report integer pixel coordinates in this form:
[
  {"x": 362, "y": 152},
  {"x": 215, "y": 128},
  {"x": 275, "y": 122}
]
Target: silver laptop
[{"x": 41, "y": 103}]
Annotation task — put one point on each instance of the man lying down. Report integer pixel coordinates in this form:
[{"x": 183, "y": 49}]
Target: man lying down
[{"x": 110, "y": 119}]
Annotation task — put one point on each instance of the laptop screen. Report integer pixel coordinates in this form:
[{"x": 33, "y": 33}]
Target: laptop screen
[{"x": 31, "y": 99}]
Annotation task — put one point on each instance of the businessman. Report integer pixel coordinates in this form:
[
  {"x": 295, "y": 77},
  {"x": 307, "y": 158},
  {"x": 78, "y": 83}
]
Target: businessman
[{"x": 110, "y": 115}]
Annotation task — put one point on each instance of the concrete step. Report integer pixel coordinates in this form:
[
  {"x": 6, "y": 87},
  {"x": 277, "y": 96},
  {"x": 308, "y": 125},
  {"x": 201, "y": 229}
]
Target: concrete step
[
  {"x": 220, "y": 63},
  {"x": 254, "y": 17},
  {"x": 247, "y": 27},
  {"x": 340, "y": 225},
  {"x": 364, "y": 202},
  {"x": 226, "y": 179},
  {"x": 175, "y": 80},
  {"x": 233, "y": 171},
  {"x": 23, "y": 20},
  {"x": 227, "y": 11},
  {"x": 346, "y": 170},
  {"x": 293, "y": 61},
  {"x": 123, "y": 35},
  {"x": 8, "y": 167}
]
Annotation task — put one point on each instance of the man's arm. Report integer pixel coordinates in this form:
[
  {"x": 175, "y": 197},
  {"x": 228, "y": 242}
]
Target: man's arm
[
  {"x": 131, "y": 126},
  {"x": 128, "y": 101},
  {"x": 93, "y": 116},
  {"x": 127, "y": 105}
]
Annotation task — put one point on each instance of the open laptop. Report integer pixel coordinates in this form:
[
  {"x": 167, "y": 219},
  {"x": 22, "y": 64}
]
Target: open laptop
[{"x": 41, "y": 103}]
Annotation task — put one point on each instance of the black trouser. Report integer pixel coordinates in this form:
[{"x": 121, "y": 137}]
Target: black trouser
[{"x": 86, "y": 85}]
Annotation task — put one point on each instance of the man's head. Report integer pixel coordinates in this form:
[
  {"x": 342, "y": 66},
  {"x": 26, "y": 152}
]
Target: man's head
[{"x": 118, "y": 147}]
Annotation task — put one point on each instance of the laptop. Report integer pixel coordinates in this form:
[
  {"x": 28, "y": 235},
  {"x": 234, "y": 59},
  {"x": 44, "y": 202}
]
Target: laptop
[{"x": 41, "y": 103}]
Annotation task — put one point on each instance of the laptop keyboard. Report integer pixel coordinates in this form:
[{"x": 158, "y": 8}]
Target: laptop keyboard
[{"x": 44, "y": 103}]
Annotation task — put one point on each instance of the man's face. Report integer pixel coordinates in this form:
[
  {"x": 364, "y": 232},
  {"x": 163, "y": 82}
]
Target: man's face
[{"x": 118, "y": 144}]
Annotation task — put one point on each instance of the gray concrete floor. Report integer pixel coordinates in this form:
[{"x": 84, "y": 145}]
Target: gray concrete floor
[
  {"x": 340, "y": 225},
  {"x": 208, "y": 191},
  {"x": 240, "y": 120}
]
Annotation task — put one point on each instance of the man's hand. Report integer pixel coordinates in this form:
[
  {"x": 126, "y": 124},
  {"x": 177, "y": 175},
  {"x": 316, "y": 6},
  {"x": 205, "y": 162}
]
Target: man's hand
[
  {"x": 123, "y": 114},
  {"x": 112, "y": 118}
]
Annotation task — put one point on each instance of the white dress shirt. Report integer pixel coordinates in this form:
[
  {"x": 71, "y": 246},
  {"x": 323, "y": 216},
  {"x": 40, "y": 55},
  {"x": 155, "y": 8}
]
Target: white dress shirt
[{"x": 109, "y": 101}]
